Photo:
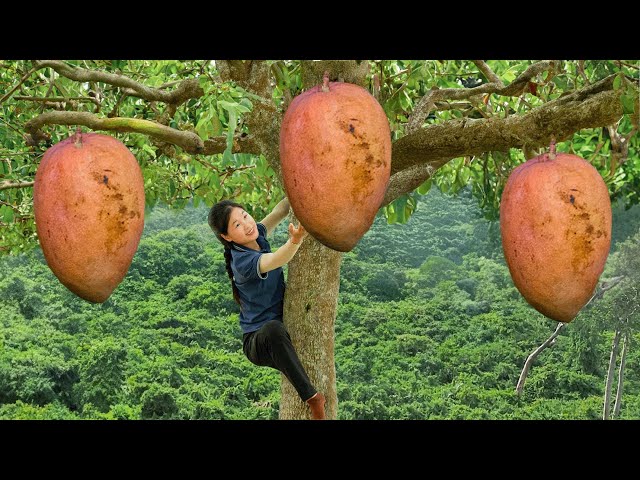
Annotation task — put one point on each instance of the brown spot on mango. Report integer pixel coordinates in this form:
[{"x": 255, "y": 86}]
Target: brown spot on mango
[
  {"x": 336, "y": 191},
  {"x": 89, "y": 233}
]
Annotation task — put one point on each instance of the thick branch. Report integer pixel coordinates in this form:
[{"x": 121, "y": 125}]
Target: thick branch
[
  {"x": 264, "y": 119},
  {"x": 188, "y": 141},
  {"x": 241, "y": 144},
  {"x": 186, "y": 90},
  {"x": 408, "y": 180},
  {"x": 594, "y": 106},
  {"x": 4, "y": 185},
  {"x": 515, "y": 88}
]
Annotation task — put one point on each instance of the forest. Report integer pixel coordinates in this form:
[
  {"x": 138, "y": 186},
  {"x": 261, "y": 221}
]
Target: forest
[{"x": 429, "y": 326}]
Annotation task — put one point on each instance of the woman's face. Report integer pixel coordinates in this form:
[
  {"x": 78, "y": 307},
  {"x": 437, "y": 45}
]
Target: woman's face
[{"x": 242, "y": 228}]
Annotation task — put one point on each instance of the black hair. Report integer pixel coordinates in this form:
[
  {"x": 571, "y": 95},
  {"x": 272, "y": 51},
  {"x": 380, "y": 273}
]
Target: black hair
[{"x": 219, "y": 223}]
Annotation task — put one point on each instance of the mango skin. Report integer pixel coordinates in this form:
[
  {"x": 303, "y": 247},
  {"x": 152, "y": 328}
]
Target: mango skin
[
  {"x": 88, "y": 201},
  {"x": 555, "y": 222},
  {"x": 335, "y": 153}
]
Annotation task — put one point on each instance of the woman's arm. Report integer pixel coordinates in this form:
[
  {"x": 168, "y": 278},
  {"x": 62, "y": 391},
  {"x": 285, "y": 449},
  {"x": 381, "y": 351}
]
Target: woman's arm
[
  {"x": 278, "y": 213},
  {"x": 271, "y": 261}
]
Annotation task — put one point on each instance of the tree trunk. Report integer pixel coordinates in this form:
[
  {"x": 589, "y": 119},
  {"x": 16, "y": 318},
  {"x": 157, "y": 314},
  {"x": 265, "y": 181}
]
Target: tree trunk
[
  {"x": 310, "y": 304},
  {"x": 625, "y": 347},
  {"x": 534, "y": 355},
  {"x": 612, "y": 365}
]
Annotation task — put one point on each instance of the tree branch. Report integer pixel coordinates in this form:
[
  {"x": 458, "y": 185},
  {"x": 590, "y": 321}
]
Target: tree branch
[
  {"x": 515, "y": 88},
  {"x": 6, "y": 184},
  {"x": 601, "y": 288},
  {"x": 241, "y": 144},
  {"x": 57, "y": 99},
  {"x": 188, "y": 141},
  {"x": 488, "y": 73},
  {"x": 594, "y": 106},
  {"x": 17, "y": 85},
  {"x": 264, "y": 119},
  {"x": 187, "y": 89},
  {"x": 534, "y": 355},
  {"x": 408, "y": 180}
]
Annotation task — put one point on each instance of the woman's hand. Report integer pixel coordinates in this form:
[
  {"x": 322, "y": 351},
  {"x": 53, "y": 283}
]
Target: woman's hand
[{"x": 297, "y": 233}]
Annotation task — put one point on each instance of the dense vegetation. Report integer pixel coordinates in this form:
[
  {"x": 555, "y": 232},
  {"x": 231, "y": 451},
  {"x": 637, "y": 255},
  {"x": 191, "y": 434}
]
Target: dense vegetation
[{"x": 429, "y": 325}]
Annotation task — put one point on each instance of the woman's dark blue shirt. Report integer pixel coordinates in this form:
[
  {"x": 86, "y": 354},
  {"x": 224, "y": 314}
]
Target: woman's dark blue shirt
[{"x": 261, "y": 294}]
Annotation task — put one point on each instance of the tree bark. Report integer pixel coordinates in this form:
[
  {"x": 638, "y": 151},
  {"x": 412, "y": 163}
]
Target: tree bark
[
  {"x": 534, "y": 355},
  {"x": 311, "y": 297},
  {"x": 612, "y": 366},
  {"x": 310, "y": 303},
  {"x": 625, "y": 348}
]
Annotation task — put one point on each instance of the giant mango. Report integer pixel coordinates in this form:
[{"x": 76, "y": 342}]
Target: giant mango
[
  {"x": 335, "y": 152},
  {"x": 88, "y": 201},
  {"x": 555, "y": 222}
]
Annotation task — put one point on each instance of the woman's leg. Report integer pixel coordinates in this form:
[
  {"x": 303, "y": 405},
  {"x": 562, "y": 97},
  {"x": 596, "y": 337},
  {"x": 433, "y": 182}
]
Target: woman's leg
[{"x": 271, "y": 346}]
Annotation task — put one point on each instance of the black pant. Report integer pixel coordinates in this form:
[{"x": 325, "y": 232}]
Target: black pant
[{"x": 271, "y": 346}]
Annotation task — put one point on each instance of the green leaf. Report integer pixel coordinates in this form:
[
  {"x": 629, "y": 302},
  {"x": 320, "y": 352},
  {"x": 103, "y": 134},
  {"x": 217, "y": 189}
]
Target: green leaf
[
  {"x": 227, "y": 157},
  {"x": 202, "y": 127},
  {"x": 147, "y": 148},
  {"x": 560, "y": 82},
  {"x": 617, "y": 81},
  {"x": 391, "y": 217},
  {"x": 628, "y": 103},
  {"x": 215, "y": 124},
  {"x": 405, "y": 101},
  {"x": 233, "y": 106},
  {"x": 7, "y": 214},
  {"x": 425, "y": 187}
]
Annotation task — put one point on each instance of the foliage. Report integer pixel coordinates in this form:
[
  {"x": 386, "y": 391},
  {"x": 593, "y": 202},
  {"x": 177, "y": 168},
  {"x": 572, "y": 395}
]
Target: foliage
[
  {"x": 176, "y": 178},
  {"x": 436, "y": 330}
]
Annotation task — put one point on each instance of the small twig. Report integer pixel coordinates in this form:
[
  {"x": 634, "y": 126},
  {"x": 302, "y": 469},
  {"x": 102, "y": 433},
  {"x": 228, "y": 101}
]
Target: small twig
[
  {"x": 6, "y": 184},
  {"x": 56, "y": 99},
  {"x": 441, "y": 106},
  {"x": 207, "y": 164},
  {"x": 397, "y": 74},
  {"x": 630, "y": 65},
  {"x": 24, "y": 77},
  {"x": 581, "y": 72},
  {"x": 11, "y": 126},
  {"x": 487, "y": 72},
  {"x": 597, "y": 150}
]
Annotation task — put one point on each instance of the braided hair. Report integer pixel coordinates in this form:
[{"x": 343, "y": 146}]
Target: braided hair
[{"x": 219, "y": 222}]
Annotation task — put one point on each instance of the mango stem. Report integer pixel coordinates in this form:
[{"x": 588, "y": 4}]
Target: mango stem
[{"x": 325, "y": 81}]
